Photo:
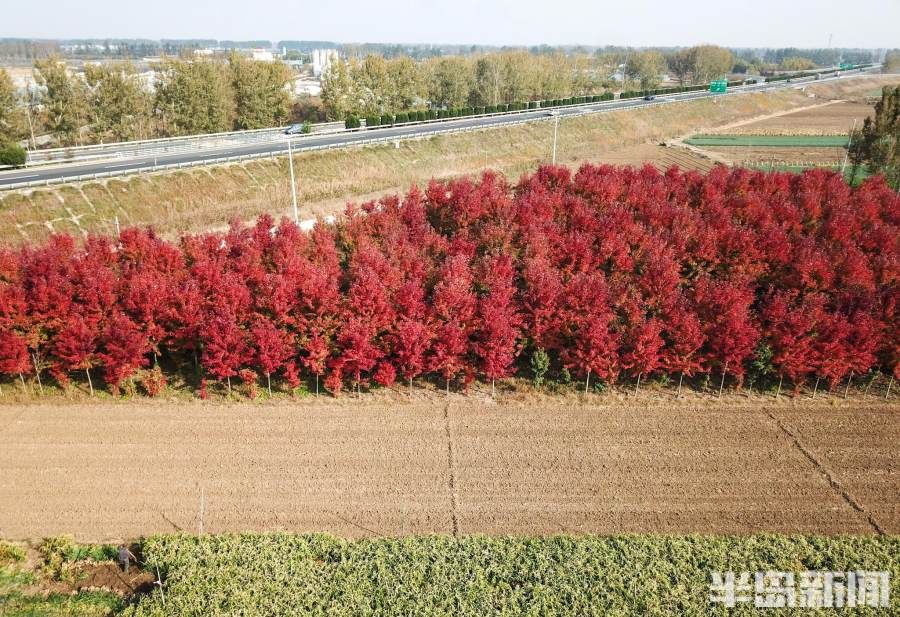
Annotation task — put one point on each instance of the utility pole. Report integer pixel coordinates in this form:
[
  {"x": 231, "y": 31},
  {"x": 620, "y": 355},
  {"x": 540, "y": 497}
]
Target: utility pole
[
  {"x": 293, "y": 185},
  {"x": 28, "y": 105}
]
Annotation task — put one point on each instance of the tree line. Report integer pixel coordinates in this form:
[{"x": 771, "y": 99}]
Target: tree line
[
  {"x": 375, "y": 85},
  {"x": 604, "y": 275},
  {"x": 112, "y": 101}
]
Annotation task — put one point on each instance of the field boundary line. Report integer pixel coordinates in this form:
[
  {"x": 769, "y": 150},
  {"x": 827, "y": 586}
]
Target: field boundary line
[
  {"x": 829, "y": 476},
  {"x": 451, "y": 465}
]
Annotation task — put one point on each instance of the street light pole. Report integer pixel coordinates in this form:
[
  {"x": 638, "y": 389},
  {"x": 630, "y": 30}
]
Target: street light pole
[
  {"x": 293, "y": 185},
  {"x": 555, "y": 132},
  {"x": 849, "y": 143}
]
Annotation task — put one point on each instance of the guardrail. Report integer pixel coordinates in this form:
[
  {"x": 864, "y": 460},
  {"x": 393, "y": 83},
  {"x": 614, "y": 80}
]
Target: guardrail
[
  {"x": 535, "y": 115},
  {"x": 147, "y": 147}
]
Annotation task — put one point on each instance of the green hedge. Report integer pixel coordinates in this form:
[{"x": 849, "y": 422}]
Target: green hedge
[
  {"x": 13, "y": 155},
  {"x": 435, "y": 114},
  {"x": 352, "y": 122},
  {"x": 643, "y": 574}
]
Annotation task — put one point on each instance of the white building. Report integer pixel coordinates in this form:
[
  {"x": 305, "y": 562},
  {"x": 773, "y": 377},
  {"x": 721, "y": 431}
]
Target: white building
[
  {"x": 322, "y": 59},
  {"x": 305, "y": 86},
  {"x": 263, "y": 55}
]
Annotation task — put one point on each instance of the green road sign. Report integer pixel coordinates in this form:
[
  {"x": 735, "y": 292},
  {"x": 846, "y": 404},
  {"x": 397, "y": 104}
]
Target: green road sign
[
  {"x": 718, "y": 85},
  {"x": 846, "y": 66}
]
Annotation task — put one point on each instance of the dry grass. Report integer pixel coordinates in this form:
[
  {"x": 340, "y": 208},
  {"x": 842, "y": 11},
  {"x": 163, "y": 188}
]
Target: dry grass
[{"x": 189, "y": 201}]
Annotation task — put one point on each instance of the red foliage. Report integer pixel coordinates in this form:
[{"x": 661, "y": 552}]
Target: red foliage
[
  {"x": 608, "y": 269},
  {"x": 498, "y": 319}
]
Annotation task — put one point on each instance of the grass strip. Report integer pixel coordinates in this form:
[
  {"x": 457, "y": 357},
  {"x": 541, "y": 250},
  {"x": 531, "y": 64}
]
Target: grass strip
[{"x": 789, "y": 141}]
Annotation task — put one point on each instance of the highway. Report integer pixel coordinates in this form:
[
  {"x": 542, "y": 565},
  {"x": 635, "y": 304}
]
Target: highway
[{"x": 123, "y": 159}]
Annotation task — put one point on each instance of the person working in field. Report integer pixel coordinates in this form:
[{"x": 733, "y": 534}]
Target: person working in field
[{"x": 125, "y": 557}]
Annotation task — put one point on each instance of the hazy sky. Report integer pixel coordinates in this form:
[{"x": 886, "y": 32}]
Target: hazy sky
[{"x": 751, "y": 23}]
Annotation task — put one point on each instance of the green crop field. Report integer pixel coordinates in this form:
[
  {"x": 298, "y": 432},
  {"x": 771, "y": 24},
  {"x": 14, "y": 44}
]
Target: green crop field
[
  {"x": 288, "y": 574},
  {"x": 789, "y": 141}
]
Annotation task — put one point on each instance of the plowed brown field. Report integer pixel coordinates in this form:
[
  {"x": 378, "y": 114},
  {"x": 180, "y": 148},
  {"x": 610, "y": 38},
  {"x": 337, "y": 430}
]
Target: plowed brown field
[{"x": 109, "y": 471}]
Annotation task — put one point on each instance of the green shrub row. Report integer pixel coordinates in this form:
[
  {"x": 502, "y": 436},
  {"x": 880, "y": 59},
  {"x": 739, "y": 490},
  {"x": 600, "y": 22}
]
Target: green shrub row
[
  {"x": 440, "y": 114},
  {"x": 630, "y": 94}
]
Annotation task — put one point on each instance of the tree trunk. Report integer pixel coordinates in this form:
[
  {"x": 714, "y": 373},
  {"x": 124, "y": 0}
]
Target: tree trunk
[
  {"x": 722, "y": 383},
  {"x": 816, "y": 387},
  {"x": 448, "y": 386},
  {"x": 780, "y": 380},
  {"x": 269, "y": 383},
  {"x": 24, "y": 389},
  {"x": 847, "y": 389},
  {"x": 317, "y": 384},
  {"x": 90, "y": 383},
  {"x": 680, "y": 379},
  {"x": 890, "y": 383},
  {"x": 37, "y": 373},
  {"x": 637, "y": 386},
  {"x": 410, "y": 386},
  {"x": 493, "y": 389},
  {"x": 587, "y": 382},
  {"x": 229, "y": 384}
]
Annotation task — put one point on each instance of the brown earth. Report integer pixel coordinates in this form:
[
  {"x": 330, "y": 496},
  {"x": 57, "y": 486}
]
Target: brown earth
[
  {"x": 806, "y": 156},
  {"x": 833, "y": 119},
  {"x": 92, "y": 576},
  {"x": 661, "y": 157},
  {"x": 598, "y": 464}
]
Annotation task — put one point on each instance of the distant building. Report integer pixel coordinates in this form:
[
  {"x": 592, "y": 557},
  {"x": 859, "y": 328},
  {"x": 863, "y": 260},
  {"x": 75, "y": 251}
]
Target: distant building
[
  {"x": 263, "y": 55},
  {"x": 322, "y": 59},
  {"x": 306, "y": 87}
]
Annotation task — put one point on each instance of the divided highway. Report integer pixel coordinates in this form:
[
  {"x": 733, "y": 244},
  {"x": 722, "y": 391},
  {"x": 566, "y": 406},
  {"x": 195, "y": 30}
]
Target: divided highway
[{"x": 122, "y": 159}]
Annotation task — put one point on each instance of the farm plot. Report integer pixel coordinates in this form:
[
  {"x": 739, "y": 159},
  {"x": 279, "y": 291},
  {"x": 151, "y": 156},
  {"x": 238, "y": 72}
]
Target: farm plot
[
  {"x": 833, "y": 119},
  {"x": 661, "y": 157},
  {"x": 574, "y": 465},
  {"x": 769, "y": 141},
  {"x": 799, "y": 157}
]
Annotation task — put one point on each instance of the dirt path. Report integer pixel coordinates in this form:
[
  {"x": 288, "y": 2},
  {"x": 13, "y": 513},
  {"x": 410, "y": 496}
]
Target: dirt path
[
  {"x": 719, "y": 157},
  {"x": 104, "y": 472},
  {"x": 785, "y": 112}
]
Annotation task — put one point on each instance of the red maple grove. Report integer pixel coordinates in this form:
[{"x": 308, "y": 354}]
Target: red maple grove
[{"x": 615, "y": 273}]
